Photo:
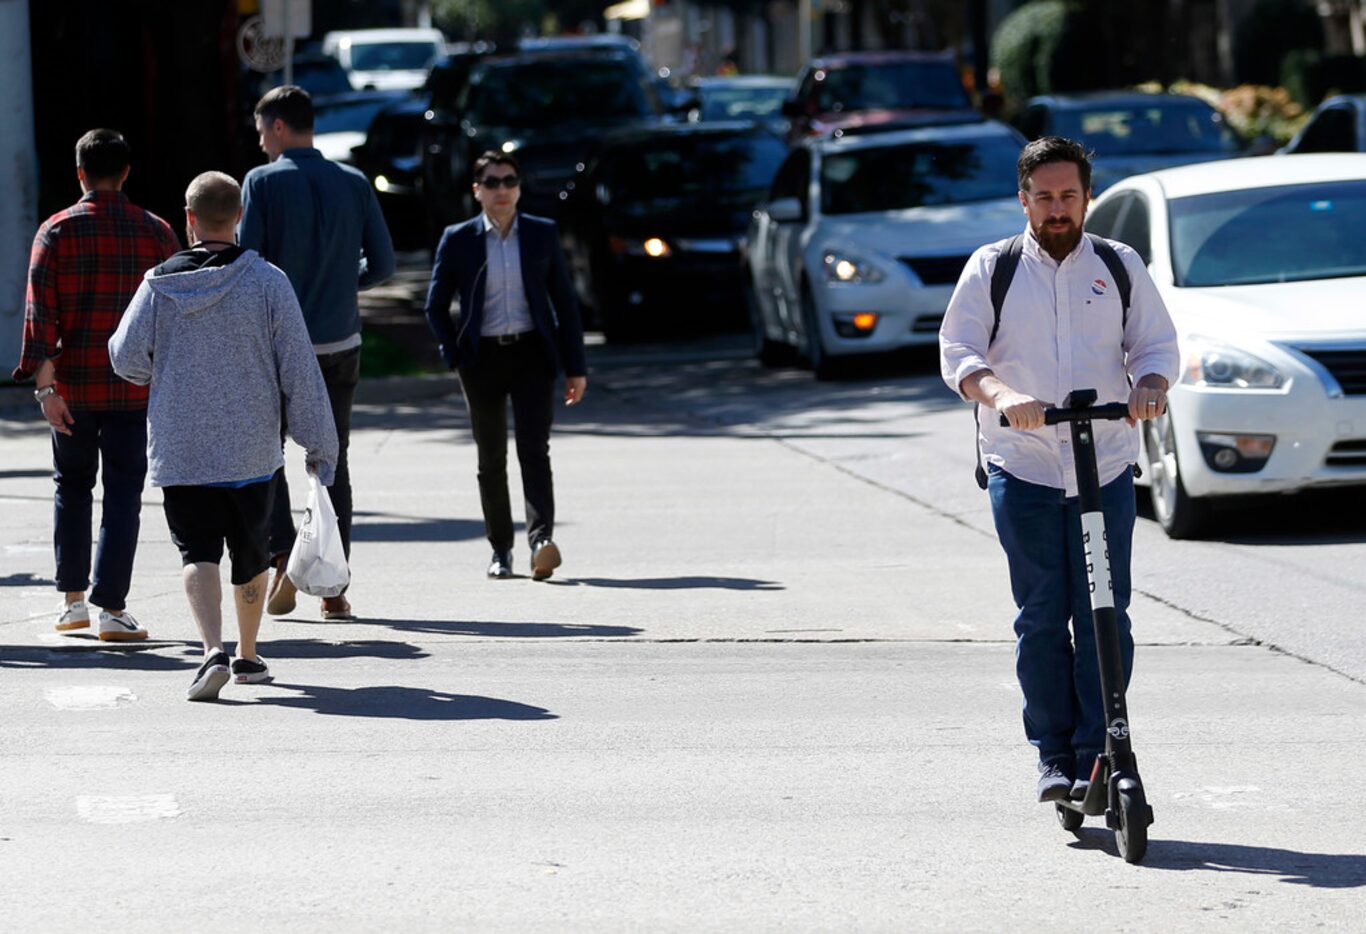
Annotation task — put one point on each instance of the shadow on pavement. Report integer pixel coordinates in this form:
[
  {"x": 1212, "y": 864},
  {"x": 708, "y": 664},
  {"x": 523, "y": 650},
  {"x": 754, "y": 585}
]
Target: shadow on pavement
[
  {"x": 1318, "y": 870},
  {"x": 403, "y": 704},
  {"x": 413, "y": 528},
  {"x": 675, "y": 583},
  {"x": 506, "y": 630},
  {"x": 25, "y": 579},
  {"x": 25, "y": 474},
  {"x": 128, "y": 658},
  {"x": 313, "y": 648}
]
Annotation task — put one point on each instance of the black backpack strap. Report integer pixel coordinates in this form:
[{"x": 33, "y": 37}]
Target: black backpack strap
[
  {"x": 1001, "y": 275},
  {"x": 1117, "y": 271}
]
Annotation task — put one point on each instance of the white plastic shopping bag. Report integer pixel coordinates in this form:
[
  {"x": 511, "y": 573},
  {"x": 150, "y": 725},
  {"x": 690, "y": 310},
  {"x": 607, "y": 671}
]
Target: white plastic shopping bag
[{"x": 317, "y": 565}]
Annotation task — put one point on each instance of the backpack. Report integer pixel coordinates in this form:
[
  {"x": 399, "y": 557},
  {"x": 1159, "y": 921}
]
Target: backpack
[{"x": 1002, "y": 274}]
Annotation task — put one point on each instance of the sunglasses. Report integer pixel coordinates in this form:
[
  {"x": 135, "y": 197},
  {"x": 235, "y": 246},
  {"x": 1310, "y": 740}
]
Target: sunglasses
[{"x": 500, "y": 181}]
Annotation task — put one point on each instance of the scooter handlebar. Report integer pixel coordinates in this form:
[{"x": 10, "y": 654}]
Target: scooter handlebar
[{"x": 1111, "y": 411}]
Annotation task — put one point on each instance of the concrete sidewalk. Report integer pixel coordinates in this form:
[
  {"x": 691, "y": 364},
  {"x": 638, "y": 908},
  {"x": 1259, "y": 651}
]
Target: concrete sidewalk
[{"x": 760, "y": 694}]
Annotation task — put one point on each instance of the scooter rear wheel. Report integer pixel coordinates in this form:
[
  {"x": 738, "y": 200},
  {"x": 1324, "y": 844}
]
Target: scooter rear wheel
[
  {"x": 1131, "y": 836},
  {"x": 1069, "y": 819}
]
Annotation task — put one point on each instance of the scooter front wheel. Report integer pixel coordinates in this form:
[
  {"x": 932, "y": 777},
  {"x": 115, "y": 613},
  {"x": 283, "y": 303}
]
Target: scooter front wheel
[
  {"x": 1131, "y": 836},
  {"x": 1069, "y": 819}
]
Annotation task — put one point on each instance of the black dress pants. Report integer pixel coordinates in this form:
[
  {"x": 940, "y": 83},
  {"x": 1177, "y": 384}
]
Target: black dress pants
[
  {"x": 341, "y": 375},
  {"x": 522, "y": 372}
]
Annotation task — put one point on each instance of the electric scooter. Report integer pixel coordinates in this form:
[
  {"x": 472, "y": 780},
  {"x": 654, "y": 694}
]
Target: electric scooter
[{"x": 1115, "y": 790}]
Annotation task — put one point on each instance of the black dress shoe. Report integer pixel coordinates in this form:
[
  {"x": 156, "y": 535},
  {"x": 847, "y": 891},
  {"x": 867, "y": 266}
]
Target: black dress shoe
[
  {"x": 545, "y": 558},
  {"x": 501, "y": 564}
]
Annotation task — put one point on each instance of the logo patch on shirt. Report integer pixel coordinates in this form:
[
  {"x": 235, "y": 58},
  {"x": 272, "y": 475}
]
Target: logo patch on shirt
[{"x": 1099, "y": 286}]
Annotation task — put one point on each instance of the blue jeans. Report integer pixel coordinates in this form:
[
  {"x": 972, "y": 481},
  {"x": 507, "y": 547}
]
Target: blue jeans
[
  {"x": 1040, "y": 531},
  {"x": 119, "y": 439}
]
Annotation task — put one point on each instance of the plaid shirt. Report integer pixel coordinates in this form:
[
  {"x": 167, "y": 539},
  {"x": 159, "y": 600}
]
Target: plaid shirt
[{"x": 87, "y": 262}]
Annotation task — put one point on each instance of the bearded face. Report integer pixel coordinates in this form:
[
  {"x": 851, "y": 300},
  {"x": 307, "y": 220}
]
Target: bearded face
[{"x": 1055, "y": 204}]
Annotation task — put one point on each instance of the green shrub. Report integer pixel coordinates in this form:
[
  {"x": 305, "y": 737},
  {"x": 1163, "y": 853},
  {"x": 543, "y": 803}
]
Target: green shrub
[
  {"x": 1049, "y": 46},
  {"x": 1310, "y": 76},
  {"x": 1267, "y": 33}
]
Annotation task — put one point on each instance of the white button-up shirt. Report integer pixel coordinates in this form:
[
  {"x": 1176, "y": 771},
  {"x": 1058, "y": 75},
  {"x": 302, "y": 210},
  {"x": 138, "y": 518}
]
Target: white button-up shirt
[
  {"x": 505, "y": 306},
  {"x": 1062, "y": 328}
]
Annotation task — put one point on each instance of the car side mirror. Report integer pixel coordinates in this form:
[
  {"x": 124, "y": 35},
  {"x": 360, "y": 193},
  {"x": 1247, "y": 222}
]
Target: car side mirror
[{"x": 785, "y": 210}]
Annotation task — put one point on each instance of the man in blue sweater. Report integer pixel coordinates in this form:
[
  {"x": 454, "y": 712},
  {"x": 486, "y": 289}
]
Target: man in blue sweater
[
  {"x": 216, "y": 332},
  {"x": 321, "y": 224}
]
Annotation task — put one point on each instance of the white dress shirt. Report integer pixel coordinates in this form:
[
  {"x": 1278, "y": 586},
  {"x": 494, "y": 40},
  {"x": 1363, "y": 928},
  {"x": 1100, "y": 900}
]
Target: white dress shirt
[
  {"x": 505, "y": 306},
  {"x": 1062, "y": 328}
]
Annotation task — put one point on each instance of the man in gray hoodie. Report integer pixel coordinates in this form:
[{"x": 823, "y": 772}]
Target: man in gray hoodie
[{"x": 217, "y": 333}]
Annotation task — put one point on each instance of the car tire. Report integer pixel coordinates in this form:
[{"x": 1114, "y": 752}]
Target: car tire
[
  {"x": 823, "y": 366},
  {"x": 1180, "y": 514},
  {"x": 770, "y": 353}
]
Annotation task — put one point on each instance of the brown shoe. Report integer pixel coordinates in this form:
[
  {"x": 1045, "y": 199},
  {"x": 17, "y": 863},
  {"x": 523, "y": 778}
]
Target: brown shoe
[
  {"x": 545, "y": 558},
  {"x": 337, "y": 608},
  {"x": 282, "y": 590}
]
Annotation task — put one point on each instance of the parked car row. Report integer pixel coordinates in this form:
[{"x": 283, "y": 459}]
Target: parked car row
[{"x": 836, "y": 213}]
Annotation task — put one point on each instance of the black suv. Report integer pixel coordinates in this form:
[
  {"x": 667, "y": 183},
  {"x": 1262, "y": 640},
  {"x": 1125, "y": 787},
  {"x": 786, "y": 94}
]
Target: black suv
[{"x": 546, "y": 108}]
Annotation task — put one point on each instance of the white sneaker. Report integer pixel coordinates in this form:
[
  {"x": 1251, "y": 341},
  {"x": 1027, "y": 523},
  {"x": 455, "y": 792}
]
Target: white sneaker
[
  {"x": 120, "y": 627},
  {"x": 74, "y": 616}
]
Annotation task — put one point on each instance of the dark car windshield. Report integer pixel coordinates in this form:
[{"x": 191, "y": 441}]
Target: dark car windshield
[
  {"x": 353, "y": 116},
  {"x": 1283, "y": 234},
  {"x": 913, "y": 175},
  {"x": 741, "y": 103},
  {"x": 1149, "y": 130},
  {"x": 393, "y": 56},
  {"x": 637, "y": 178},
  {"x": 541, "y": 93},
  {"x": 893, "y": 85}
]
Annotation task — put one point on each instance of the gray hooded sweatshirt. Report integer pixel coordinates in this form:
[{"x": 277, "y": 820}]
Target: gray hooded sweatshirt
[{"x": 221, "y": 347}]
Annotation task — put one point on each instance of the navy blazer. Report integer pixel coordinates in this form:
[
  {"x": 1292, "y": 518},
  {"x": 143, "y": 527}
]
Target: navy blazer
[{"x": 461, "y": 266}]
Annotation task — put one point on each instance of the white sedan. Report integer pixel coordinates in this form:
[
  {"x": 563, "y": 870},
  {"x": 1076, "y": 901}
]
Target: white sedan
[
  {"x": 1262, "y": 263},
  {"x": 862, "y": 238}
]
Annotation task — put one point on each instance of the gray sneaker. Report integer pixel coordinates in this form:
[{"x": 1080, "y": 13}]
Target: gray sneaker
[{"x": 1054, "y": 782}]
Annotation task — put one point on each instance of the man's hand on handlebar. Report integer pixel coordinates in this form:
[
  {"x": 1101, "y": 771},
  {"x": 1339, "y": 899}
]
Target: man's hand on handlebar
[
  {"x": 1020, "y": 410},
  {"x": 1148, "y": 399}
]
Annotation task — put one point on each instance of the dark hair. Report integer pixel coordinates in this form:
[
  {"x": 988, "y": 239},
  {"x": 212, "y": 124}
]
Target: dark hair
[
  {"x": 214, "y": 198},
  {"x": 1048, "y": 149},
  {"x": 102, "y": 154},
  {"x": 289, "y": 103},
  {"x": 493, "y": 157}
]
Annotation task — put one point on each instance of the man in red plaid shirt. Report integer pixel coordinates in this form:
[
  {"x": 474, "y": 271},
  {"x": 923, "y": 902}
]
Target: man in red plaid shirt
[{"x": 87, "y": 262}]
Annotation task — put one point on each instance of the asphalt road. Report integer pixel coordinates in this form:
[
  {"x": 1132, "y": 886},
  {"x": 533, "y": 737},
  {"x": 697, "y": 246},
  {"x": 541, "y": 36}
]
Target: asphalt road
[{"x": 770, "y": 689}]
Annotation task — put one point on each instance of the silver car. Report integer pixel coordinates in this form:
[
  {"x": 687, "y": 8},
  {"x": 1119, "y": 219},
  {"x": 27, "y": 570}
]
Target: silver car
[{"x": 862, "y": 238}]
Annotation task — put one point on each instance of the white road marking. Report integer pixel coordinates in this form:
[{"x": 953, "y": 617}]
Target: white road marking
[
  {"x": 126, "y": 809},
  {"x": 1223, "y": 797},
  {"x": 89, "y": 697}
]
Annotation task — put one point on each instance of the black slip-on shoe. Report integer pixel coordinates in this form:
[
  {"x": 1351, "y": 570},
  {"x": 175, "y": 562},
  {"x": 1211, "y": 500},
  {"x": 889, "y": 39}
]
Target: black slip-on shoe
[{"x": 210, "y": 678}]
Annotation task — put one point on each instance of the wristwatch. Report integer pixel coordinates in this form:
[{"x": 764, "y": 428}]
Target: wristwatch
[{"x": 48, "y": 390}]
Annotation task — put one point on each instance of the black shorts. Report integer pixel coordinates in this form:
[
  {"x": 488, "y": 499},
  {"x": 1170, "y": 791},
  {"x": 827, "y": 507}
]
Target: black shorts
[{"x": 202, "y": 518}]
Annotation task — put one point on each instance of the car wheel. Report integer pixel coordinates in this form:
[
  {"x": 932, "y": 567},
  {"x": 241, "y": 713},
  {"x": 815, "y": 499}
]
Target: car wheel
[
  {"x": 822, "y": 364},
  {"x": 1179, "y": 514},
  {"x": 770, "y": 353}
]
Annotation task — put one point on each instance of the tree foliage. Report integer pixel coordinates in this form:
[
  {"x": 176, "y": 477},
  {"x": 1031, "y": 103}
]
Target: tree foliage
[{"x": 1049, "y": 46}]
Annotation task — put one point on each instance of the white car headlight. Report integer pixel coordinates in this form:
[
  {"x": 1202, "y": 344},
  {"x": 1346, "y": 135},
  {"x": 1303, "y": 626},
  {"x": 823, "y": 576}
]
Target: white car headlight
[
  {"x": 846, "y": 269},
  {"x": 1221, "y": 366}
]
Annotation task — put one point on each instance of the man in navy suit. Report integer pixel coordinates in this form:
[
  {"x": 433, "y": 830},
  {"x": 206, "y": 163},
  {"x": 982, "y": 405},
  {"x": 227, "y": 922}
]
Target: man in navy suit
[{"x": 518, "y": 328}]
